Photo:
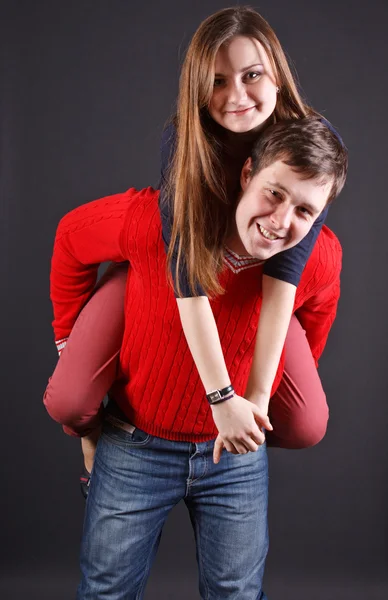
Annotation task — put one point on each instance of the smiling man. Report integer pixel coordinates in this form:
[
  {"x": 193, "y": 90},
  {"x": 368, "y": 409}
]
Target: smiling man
[
  {"x": 286, "y": 184},
  {"x": 158, "y": 432},
  {"x": 289, "y": 204}
]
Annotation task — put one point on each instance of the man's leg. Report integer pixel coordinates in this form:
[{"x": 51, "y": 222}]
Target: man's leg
[
  {"x": 228, "y": 509},
  {"x": 298, "y": 410},
  {"x": 135, "y": 482}
]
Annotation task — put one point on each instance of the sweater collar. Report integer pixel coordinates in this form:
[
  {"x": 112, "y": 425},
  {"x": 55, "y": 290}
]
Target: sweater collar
[{"x": 237, "y": 263}]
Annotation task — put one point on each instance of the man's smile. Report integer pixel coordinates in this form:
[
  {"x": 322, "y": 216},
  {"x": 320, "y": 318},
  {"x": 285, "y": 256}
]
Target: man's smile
[{"x": 268, "y": 235}]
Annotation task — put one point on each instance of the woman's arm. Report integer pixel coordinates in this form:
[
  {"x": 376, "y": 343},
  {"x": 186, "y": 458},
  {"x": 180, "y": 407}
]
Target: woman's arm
[
  {"x": 236, "y": 419},
  {"x": 281, "y": 276},
  {"x": 201, "y": 333},
  {"x": 274, "y": 320}
]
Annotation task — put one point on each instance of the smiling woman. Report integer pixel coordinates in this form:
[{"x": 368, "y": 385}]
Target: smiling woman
[
  {"x": 245, "y": 89},
  {"x": 235, "y": 81}
]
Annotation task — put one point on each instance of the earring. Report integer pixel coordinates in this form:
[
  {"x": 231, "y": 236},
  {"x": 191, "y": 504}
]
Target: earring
[{"x": 277, "y": 89}]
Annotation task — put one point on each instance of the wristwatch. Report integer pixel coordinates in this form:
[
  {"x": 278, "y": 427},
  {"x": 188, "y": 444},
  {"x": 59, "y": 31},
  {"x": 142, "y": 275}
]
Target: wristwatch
[{"x": 217, "y": 396}]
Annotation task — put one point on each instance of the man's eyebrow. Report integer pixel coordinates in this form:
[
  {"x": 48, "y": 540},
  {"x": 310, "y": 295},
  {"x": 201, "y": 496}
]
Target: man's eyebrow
[
  {"x": 242, "y": 70},
  {"x": 302, "y": 201},
  {"x": 278, "y": 185}
]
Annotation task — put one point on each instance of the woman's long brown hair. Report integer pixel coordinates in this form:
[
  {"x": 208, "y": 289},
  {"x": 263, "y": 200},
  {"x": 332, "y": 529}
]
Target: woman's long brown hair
[{"x": 196, "y": 180}]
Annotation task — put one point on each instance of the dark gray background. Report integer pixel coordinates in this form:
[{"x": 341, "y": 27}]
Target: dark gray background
[{"x": 86, "y": 87}]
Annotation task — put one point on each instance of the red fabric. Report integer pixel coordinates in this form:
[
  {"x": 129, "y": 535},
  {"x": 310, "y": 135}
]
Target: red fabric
[
  {"x": 159, "y": 388},
  {"x": 298, "y": 410},
  {"x": 89, "y": 366}
]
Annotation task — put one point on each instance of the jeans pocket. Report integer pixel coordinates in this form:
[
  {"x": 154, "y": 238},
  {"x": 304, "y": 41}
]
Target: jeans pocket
[
  {"x": 84, "y": 481},
  {"x": 123, "y": 434}
]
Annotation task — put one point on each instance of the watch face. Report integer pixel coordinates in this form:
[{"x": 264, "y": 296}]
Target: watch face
[{"x": 214, "y": 396}]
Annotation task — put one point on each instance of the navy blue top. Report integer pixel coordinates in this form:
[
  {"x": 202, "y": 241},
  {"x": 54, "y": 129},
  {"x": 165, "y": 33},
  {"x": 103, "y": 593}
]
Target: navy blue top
[{"x": 286, "y": 266}]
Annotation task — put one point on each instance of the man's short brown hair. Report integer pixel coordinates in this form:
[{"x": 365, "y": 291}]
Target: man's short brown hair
[{"x": 311, "y": 146}]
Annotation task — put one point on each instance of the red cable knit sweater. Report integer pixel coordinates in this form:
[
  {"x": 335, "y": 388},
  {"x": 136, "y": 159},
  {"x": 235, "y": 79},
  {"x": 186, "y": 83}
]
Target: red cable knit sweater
[{"x": 161, "y": 391}]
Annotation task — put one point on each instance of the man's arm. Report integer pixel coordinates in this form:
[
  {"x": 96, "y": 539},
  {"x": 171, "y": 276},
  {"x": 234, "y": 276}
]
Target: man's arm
[{"x": 86, "y": 237}]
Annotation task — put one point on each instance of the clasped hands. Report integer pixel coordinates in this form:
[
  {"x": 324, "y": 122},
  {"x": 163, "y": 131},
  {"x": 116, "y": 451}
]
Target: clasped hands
[{"x": 239, "y": 422}]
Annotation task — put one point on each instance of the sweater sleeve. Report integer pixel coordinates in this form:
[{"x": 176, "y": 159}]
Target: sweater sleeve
[
  {"x": 86, "y": 237},
  {"x": 318, "y": 312},
  {"x": 288, "y": 265}
]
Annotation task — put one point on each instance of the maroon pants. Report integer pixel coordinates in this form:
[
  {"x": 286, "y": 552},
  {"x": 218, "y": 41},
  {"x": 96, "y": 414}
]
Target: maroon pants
[{"x": 88, "y": 366}]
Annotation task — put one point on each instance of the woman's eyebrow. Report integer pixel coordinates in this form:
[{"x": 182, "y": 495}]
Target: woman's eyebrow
[{"x": 242, "y": 70}]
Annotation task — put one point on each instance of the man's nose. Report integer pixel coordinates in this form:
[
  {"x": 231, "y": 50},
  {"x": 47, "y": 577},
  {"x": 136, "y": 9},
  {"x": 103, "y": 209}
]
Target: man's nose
[{"x": 281, "y": 217}]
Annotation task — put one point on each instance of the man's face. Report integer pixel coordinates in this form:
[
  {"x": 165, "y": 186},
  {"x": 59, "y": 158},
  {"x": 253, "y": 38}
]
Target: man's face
[{"x": 276, "y": 210}]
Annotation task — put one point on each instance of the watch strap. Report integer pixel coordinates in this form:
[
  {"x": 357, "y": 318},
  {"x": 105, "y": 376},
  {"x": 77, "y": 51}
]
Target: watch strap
[{"x": 217, "y": 396}]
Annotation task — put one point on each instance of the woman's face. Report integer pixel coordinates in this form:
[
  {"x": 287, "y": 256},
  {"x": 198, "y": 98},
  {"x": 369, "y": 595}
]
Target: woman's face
[{"x": 244, "y": 94}]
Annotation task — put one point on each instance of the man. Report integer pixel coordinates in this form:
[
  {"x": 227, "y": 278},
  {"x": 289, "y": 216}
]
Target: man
[{"x": 158, "y": 434}]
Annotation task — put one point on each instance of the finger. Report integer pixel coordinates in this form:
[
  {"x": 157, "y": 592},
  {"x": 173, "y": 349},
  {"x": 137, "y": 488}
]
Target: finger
[
  {"x": 217, "y": 450},
  {"x": 256, "y": 434},
  {"x": 240, "y": 446},
  {"x": 251, "y": 444},
  {"x": 230, "y": 447},
  {"x": 258, "y": 437},
  {"x": 266, "y": 423},
  {"x": 263, "y": 419}
]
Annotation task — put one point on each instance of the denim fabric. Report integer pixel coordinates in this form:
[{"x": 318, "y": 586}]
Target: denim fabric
[{"x": 137, "y": 479}]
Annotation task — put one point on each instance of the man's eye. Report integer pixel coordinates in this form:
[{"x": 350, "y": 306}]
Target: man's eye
[
  {"x": 274, "y": 193},
  {"x": 305, "y": 211}
]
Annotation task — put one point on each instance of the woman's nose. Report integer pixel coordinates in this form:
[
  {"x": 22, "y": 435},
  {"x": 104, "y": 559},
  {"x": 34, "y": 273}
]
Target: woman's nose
[{"x": 236, "y": 92}]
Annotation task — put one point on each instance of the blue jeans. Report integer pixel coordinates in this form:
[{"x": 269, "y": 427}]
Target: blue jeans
[{"x": 137, "y": 479}]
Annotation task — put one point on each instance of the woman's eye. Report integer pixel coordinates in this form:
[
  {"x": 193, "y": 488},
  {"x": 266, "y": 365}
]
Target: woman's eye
[
  {"x": 252, "y": 75},
  {"x": 218, "y": 81}
]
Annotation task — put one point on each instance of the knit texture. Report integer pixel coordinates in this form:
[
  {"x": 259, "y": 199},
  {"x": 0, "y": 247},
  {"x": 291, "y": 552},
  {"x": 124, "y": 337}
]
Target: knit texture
[{"x": 159, "y": 388}]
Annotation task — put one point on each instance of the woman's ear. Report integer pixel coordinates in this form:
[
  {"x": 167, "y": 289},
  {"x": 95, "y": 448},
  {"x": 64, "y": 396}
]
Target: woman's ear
[{"x": 246, "y": 174}]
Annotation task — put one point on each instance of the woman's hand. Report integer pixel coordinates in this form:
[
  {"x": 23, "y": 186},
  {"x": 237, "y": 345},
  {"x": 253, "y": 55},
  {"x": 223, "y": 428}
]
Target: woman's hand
[
  {"x": 237, "y": 421},
  {"x": 260, "y": 400}
]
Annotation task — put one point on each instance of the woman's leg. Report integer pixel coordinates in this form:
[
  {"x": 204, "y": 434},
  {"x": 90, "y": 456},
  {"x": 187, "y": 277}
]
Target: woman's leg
[
  {"x": 88, "y": 367},
  {"x": 89, "y": 362},
  {"x": 298, "y": 410}
]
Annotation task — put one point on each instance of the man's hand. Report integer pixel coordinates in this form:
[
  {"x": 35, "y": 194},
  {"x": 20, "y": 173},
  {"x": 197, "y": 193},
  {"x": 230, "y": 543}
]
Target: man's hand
[
  {"x": 237, "y": 421},
  {"x": 88, "y": 445}
]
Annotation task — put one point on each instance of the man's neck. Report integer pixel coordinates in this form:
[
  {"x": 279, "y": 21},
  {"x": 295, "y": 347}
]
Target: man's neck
[{"x": 234, "y": 244}]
